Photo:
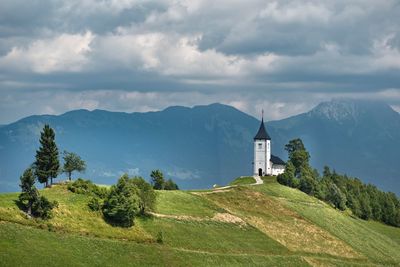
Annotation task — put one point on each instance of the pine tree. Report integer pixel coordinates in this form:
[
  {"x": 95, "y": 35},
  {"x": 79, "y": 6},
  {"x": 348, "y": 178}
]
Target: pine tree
[
  {"x": 29, "y": 194},
  {"x": 47, "y": 163}
]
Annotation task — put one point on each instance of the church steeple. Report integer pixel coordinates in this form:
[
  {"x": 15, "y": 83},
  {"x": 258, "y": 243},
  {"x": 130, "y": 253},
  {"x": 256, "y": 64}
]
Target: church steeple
[{"x": 262, "y": 133}]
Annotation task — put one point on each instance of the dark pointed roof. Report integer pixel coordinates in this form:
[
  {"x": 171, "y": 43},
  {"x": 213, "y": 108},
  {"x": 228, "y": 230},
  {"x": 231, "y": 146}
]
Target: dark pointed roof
[
  {"x": 262, "y": 133},
  {"x": 277, "y": 160}
]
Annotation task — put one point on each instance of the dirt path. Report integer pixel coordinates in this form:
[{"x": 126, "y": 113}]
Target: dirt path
[{"x": 218, "y": 217}]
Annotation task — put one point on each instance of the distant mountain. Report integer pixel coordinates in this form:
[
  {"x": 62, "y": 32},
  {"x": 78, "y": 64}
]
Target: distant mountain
[
  {"x": 207, "y": 145},
  {"x": 360, "y": 138},
  {"x": 198, "y": 146}
]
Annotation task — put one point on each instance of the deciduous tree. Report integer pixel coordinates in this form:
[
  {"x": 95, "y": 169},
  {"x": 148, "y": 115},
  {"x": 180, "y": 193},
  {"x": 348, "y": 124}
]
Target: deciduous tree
[{"x": 72, "y": 162}]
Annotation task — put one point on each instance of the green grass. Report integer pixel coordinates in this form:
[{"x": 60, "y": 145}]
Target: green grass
[
  {"x": 283, "y": 224},
  {"x": 177, "y": 202},
  {"x": 72, "y": 215},
  {"x": 211, "y": 236},
  {"x": 25, "y": 246},
  {"x": 243, "y": 181},
  {"x": 378, "y": 242},
  {"x": 282, "y": 227}
]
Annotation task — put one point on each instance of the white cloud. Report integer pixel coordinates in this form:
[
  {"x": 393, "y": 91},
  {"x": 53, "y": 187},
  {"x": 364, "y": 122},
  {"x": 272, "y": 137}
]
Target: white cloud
[{"x": 66, "y": 52}]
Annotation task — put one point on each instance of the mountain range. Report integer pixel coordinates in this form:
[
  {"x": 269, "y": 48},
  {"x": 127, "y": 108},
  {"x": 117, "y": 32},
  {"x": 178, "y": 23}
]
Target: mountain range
[{"x": 207, "y": 145}]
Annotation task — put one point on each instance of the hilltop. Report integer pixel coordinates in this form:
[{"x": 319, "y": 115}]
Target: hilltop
[
  {"x": 205, "y": 145},
  {"x": 266, "y": 224}
]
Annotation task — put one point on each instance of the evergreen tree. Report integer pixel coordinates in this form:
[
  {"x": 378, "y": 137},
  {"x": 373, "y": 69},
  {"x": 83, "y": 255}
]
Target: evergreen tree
[
  {"x": 157, "y": 179},
  {"x": 47, "y": 164},
  {"x": 29, "y": 194},
  {"x": 72, "y": 162}
]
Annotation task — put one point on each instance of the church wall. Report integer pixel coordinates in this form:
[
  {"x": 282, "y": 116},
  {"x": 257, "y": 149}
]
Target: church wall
[
  {"x": 277, "y": 169},
  {"x": 259, "y": 156}
]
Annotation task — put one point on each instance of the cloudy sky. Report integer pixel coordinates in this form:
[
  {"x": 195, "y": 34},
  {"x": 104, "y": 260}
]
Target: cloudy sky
[{"x": 138, "y": 55}]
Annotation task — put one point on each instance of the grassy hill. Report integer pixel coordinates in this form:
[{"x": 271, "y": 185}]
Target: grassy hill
[{"x": 262, "y": 225}]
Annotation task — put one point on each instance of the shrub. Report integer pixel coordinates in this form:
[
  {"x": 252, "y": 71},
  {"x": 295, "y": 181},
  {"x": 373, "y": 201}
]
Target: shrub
[
  {"x": 95, "y": 204},
  {"x": 87, "y": 187},
  {"x": 170, "y": 185},
  {"x": 42, "y": 208}
]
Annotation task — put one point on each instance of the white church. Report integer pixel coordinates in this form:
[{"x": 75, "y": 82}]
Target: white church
[{"x": 264, "y": 162}]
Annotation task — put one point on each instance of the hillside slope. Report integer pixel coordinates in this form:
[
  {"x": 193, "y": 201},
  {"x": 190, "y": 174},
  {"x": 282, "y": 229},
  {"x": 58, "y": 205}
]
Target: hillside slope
[{"x": 259, "y": 225}]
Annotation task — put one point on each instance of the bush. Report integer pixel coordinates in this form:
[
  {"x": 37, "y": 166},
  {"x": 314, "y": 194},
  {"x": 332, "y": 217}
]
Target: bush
[
  {"x": 43, "y": 208},
  {"x": 122, "y": 203},
  {"x": 95, "y": 204},
  {"x": 170, "y": 185},
  {"x": 87, "y": 187}
]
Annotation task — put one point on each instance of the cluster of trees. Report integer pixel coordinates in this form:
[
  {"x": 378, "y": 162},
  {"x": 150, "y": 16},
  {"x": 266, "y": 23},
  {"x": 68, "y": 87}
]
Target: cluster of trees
[
  {"x": 47, "y": 165},
  {"x": 342, "y": 192},
  {"x": 159, "y": 183},
  {"x": 130, "y": 197}
]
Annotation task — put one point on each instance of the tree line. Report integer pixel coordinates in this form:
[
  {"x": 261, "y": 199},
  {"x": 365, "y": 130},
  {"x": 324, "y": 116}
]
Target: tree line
[{"x": 365, "y": 201}]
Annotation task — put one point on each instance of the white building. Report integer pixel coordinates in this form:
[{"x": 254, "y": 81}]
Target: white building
[{"x": 265, "y": 163}]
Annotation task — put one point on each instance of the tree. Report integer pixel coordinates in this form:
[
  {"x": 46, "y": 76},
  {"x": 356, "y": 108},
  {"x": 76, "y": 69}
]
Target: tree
[
  {"x": 298, "y": 154},
  {"x": 122, "y": 203},
  {"x": 72, "y": 162},
  {"x": 147, "y": 195},
  {"x": 170, "y": 185},
  {"x": 47, "y": 164},
  {"x": 157, "y": 179},
  {"x": 336, "y": 197},
  {"x": 33, "y": 203},
  {"x": 29, "y": 194},
  {"x": 308, "y": 181}
]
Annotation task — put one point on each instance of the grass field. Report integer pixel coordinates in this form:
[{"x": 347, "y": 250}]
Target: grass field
[
  {"x": 263, "y": 225},
  {"x": 243, "y": 180}
]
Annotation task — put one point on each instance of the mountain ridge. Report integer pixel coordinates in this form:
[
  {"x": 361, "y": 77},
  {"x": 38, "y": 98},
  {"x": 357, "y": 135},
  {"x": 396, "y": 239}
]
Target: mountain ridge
[{"x": 207, "y": 144}]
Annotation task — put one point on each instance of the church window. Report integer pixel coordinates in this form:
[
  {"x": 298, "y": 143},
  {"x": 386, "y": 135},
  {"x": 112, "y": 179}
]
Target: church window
[{"x": 259, "y": 145}]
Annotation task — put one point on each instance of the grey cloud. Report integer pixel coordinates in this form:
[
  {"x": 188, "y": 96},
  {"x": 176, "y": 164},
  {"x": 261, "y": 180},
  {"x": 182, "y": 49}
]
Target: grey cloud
[{"x": 61, "y": 55}]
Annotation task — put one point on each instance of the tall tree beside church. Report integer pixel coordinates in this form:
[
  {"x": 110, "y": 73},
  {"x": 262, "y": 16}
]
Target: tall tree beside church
[
  {"x": 47, "y": 164},
  {"x": 298, "y": 155}
]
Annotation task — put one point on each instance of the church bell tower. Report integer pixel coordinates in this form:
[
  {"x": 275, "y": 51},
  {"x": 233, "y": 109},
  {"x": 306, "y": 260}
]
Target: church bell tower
[{"x": 262, "y": 151}]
